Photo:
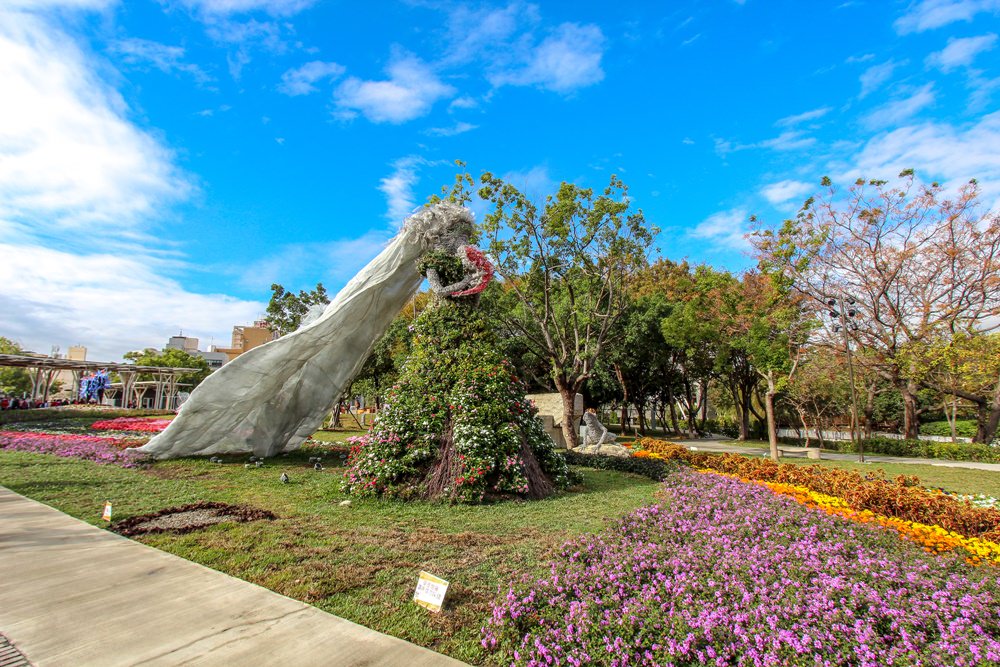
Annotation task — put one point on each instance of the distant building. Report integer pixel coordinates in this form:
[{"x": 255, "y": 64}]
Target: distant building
[
  {"x": 185, "y": 343},
  {"x": 190, "y": 345},
  {"x": 246, "y": 338}
]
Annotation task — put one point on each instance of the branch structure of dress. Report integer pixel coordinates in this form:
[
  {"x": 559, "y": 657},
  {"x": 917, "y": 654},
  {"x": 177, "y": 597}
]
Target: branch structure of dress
[{"x": 273, "y": 397}]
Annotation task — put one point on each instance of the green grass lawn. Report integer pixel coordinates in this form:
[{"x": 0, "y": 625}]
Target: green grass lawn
[{"x": 359, "y": 562}]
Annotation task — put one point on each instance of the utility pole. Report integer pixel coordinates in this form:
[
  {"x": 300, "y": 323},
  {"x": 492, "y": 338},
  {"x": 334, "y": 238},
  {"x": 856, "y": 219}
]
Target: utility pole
[{"x": 848, "y": 313}]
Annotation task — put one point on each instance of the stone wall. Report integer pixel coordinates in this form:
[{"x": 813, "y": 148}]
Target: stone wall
[
  {"x": 551, "y": 404},
  {"x": 550, "y": 411}
]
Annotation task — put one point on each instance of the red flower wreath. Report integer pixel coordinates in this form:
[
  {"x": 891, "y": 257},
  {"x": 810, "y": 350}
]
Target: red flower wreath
[{"x": 479, "y": 260}]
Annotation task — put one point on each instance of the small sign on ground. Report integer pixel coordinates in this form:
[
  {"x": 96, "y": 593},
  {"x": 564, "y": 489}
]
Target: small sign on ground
[
  {"x": 430, "y": 591},
  {"x": 107, "y": 511}
]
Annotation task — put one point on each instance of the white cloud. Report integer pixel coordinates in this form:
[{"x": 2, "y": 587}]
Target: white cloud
[
  {"x": 74, "y": 172},
  {"x": 308, "y": 263},
  {"x": 68, "y": 156},
  {"x": 456, "y": 129},
  {"x": 876, "y": 75},
  {"x": 941, "y": 151},
  {"x": 930, "y": 14},
  {"x": 785, "y": 191},
  {"x": 488, "y": 32},
  {"x": 789, "y": 140},
  {"x": 110, "y": 302},
  {"x": 961, "y": 52},
  {"x": 535, "y": 182},
  {"x": 727, "y": 228},
  {"x": 225, "y": 7},
  {"x": 897, "y": 111},
  {"x": 410, "y": 92},
  {"x": 31, "y": 5},
  {"x": 398, "y": 187},
  {"x": 167, "y": 59},
  {"x": 299, "y": 81},
  {"x": 568, "y": 59},
  {"x": 803, "y": 117}
]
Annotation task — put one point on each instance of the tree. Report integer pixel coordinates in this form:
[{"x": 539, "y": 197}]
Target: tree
[
  {"x": 965, "y": 366},
  {"x": 286, "y": 309},
  {"x": 13, "y": 381},
  {"x": 759, "y": 317},
  {"x": 568, "y": 266},
  {"x": 171, "y": 358},
  {"x": 913, "y": 264}
]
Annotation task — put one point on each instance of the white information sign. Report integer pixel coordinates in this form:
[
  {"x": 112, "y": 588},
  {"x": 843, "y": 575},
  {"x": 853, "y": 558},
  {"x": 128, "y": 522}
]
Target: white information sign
[
  {"x": 107, "y": 511},
  {"x": 430, "y": 591}
]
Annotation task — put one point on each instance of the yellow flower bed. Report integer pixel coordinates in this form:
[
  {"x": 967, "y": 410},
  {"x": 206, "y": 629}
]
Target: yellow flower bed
[{"x": 934, "y": 539}]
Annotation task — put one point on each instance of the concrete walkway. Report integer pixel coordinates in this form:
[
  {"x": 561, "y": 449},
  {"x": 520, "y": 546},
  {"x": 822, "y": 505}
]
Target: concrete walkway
[
  {"x": 720, "y": 445},
  {"x": 72, "y": 594}
]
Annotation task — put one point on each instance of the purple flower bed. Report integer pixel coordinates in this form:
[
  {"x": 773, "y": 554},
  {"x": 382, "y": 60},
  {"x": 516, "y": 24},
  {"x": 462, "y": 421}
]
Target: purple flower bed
[
  {"x": 728, "y": 573},
  {"x": 87, "y": 447}
]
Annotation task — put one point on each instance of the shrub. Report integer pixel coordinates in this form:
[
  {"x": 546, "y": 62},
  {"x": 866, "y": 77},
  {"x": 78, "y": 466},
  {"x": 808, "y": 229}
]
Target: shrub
[
  {"x": 965, "y": 428},
  {"x": 74, "y": 412},
  {"x": 928, "y": 449},
  {"x": 457, "y": 425},
  {"x": 652, "y": 468},
  {"x": 902, "y": 497}
]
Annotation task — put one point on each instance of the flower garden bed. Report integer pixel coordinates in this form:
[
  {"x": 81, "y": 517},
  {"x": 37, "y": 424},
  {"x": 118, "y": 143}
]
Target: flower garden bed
[
  {"x": 901, "y": 498},
  {"x": 87, "y": 447},
  {"x": 725, "y": 572},
  {"x": 131, "y": 424}
]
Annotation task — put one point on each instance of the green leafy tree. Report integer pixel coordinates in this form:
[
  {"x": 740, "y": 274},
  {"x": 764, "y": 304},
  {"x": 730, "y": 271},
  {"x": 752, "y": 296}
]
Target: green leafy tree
[
  {"x": 286, "y": 309},
  {"x": 171, "y": 358},
  {"x": 567, "y": 265},
  {"x": 13, "y": 381}
]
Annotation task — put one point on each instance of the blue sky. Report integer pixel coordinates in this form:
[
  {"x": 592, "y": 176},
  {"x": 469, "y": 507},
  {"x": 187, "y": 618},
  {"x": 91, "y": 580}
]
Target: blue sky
[{"x": 162, "y": 163}]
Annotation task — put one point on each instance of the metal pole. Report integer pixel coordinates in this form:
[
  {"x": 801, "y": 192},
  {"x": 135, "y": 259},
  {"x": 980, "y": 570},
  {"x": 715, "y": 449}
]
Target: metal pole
[{"x": 855, "y": 438}]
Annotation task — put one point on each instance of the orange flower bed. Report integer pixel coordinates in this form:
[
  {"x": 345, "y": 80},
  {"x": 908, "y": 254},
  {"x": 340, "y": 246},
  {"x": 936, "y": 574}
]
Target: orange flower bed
[
  {"x": 934, "y": 539},
  {"x": 901, "y": 498}
]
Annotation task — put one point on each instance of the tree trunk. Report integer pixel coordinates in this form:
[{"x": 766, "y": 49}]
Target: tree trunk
[
  {"x": 772, "y": 427},
  {"x": 690, "y": 409},
  {"x": 911, "y": 411},
  {"x": 988, "y": 423},
  {"x": 673, "y": 413},
  {"x": 642, "y": 418},
  {"x": 869, "y": 411},
  {"x": 805, "y": 424},
  {"x": 570, "y": 418}
]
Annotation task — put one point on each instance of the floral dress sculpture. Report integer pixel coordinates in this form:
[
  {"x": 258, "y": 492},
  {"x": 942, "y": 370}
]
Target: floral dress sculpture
[{"x": 457, "y": 425}]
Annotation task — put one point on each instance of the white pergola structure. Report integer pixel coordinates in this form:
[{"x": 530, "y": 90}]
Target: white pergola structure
[{"x": 43, "y": 370}]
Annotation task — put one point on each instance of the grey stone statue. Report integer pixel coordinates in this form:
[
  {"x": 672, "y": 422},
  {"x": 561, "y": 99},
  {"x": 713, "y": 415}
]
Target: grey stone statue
[{"x": 598, "y": 439}]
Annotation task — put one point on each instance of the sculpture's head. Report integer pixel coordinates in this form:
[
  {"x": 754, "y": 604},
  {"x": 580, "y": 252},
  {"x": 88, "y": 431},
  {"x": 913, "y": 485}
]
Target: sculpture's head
[{"x": 444, "y": 225}]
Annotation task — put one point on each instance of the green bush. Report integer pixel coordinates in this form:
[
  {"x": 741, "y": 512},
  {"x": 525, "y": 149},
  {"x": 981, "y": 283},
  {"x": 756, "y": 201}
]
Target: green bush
[
  {"x": 654, "y": 469},
  {"x": 966, "y": 428},
  {"x": 926, "y": 449},
  {"x": 55, "y": 414}
]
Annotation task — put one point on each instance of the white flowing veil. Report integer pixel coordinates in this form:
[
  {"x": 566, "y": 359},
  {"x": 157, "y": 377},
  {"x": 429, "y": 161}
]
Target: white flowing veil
[{"x": 273, "y": 397}]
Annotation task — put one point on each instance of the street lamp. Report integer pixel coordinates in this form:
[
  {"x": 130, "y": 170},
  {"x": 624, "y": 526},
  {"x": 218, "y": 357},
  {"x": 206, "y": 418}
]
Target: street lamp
[{"x": 846, "y": 314}]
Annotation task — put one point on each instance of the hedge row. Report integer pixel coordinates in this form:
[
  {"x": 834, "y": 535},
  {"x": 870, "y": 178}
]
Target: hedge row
[
  {"x": 651, "y": 468},
  {"x": 55, "y": 414},
  {"x": 926, "y": 449}
]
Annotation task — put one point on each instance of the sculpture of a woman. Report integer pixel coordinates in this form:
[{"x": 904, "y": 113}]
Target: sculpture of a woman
[{"x": 456, "y": 425}]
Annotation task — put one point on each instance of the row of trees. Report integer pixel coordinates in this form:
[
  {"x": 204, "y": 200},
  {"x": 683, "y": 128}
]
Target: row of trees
[{"x": 911, "y": 271}]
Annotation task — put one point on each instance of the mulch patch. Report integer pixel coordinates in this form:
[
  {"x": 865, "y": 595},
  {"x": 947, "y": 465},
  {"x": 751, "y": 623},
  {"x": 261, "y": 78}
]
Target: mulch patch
[{"x": 186, "y": 518}]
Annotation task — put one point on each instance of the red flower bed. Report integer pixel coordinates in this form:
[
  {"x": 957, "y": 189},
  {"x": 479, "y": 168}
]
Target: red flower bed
[
  {"x": 131, "y": 424},
  {"x": 902, "y": 497}
]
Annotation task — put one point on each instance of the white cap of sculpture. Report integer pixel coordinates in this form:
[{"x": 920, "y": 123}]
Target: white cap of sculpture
[{"x": 273, "y": 397}]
